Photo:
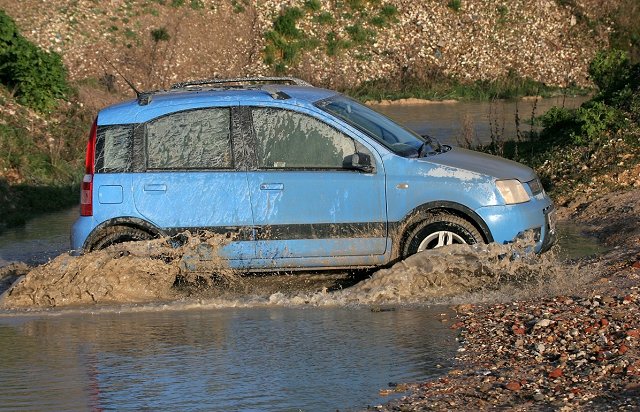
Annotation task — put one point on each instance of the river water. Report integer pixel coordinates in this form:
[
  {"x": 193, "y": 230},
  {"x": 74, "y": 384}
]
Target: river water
[
  {"x": 190, "y": 356},
  {"x": 450, "y": 122}
]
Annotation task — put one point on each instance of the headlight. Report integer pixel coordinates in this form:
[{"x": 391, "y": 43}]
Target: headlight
[{"x": 512, "y": 191}]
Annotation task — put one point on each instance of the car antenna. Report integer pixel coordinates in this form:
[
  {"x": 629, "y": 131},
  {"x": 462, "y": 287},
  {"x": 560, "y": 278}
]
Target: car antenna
[{"x": 142, "y": 97}]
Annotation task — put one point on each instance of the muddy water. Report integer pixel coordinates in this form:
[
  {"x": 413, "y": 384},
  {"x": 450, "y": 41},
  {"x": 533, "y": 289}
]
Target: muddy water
[
  {"x": 447, "y": 121},
  {"x": 257, "y": 344}
]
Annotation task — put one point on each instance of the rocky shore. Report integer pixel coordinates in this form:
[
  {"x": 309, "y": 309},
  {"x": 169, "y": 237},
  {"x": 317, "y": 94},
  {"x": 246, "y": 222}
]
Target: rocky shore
[{"x": 572, "y": 352}]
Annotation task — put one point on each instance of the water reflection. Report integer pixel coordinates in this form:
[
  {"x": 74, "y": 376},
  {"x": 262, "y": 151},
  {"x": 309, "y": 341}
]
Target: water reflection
[
  {"x": 40, "y": 239},
  {"x": 233, "y": 359}
]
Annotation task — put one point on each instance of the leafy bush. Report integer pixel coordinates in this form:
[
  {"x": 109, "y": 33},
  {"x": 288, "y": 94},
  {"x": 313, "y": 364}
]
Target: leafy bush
[
  {"x": 285, "y": 24},
  {"x": 454, "y": 5},
  {"x": 618, "y": 99},
  {"x": 359, "y": 34},
  {"x": 37, "y": 78},
  {"x": 313, "y": 5}
]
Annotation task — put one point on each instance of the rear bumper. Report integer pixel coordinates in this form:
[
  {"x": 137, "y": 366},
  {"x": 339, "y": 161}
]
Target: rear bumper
[{"x": 80, "y": 232}]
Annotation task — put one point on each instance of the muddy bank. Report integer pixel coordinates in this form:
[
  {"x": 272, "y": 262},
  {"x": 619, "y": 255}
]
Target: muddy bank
[{"x": 575, "y": 350}]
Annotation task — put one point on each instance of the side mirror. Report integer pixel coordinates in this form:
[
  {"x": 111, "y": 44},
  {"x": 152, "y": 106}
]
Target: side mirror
[{"x": 359, "y": 161}]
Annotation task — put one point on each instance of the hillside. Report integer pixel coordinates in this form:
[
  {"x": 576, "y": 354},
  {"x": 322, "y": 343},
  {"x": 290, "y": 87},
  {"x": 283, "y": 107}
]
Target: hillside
[{"x": 333, "y": 43}]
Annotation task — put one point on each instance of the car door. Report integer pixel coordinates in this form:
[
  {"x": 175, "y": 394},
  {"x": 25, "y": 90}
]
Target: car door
[
  {"x": 192, "y": 179},
  {"x": 310, "y": 209}
]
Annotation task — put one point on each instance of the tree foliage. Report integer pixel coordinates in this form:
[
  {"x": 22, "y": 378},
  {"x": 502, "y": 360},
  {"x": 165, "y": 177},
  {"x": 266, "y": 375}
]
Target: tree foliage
[{"x": 37, "y": 78}]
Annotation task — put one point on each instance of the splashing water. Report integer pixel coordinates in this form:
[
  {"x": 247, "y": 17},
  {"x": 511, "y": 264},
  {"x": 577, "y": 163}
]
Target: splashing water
[{"x": 162, "y": 270}]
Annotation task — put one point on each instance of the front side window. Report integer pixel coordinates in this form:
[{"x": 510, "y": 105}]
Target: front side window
[
  {"x": 288, "y": 139},
  {"x": 384, "y": 130},
  {"x": 194, "y": 139}
]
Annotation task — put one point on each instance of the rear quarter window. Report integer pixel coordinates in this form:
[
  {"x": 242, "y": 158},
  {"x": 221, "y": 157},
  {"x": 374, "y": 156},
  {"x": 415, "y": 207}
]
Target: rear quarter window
[{"x": 114, "y": 149}]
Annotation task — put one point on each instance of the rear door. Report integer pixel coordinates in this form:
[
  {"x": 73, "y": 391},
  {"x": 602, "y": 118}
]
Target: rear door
[
  {"x": 193, "y": 179},
  {"x": 310, "y": 210}
]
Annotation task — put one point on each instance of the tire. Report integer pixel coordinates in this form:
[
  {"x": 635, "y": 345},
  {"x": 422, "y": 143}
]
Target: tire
[
  {"x": 120, "y": 234},
  {"x": 440, "y": 230}
]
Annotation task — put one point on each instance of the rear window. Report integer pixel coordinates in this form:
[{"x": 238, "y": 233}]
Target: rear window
[
  {"x": 194, "y": 139},
  {"x": 114, "y": 149}
]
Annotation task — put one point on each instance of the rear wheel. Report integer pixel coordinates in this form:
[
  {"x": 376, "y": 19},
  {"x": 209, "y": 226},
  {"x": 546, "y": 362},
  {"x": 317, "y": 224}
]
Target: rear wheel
[
  {"x": 120, "y": 234},
  {"x": 441, "y": 230}
]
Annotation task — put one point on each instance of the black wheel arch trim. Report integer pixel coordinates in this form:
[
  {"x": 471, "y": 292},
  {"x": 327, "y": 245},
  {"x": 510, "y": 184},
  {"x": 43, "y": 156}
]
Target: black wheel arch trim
[
  {"x": 128, "y": 221},
  {"x": 457, "y": 208}
]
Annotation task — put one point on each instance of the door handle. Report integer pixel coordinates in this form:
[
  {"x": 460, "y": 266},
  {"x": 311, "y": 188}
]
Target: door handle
[
  {"x": 272, "y": 186},
  {"x": 155, "y": 188}
]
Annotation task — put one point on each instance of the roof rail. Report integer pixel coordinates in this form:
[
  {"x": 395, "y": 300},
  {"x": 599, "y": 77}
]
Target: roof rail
[{"x": 205, "y": 82}]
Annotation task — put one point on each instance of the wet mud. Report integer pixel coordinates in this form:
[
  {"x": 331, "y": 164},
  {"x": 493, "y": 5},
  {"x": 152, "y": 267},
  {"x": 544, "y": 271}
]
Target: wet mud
[
  {"x": 172, "y": 270},
  {"x": 124, "y": 273}
]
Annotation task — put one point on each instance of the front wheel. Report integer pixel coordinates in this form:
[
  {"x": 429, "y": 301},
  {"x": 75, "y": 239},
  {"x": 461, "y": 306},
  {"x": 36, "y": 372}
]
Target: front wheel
[{"x": 441, "y": 230}]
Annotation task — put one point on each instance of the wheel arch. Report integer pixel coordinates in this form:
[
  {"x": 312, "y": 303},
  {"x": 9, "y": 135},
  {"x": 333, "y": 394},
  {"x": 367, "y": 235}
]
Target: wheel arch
[
  {"x": 417, "y": 215},
  {"x": 133, "y": 222}
]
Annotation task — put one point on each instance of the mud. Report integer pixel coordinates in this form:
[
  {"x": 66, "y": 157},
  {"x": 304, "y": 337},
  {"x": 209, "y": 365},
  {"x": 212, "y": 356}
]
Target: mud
[
  {"x": 171, "y": 270},
  {"x": 125, "y": 273}
]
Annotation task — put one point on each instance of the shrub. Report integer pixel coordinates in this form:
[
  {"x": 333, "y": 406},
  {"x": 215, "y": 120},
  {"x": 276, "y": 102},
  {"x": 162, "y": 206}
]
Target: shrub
[
  {"x": 285, "y": 24},
  {"x": 160, "y": 34},
  {"x": 37, "y": 78},
  {"x": 324, "y": 18},
  {"x": 359, "y": 34},
  {"x": 454, "y": 5},
  {"x": 313, "y": 5}
]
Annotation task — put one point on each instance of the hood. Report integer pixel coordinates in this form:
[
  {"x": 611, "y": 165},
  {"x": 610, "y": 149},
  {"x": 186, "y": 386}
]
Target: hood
[{"x": 482, "y": 163}]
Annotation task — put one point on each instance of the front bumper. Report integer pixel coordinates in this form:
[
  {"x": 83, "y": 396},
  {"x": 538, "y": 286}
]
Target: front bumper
[{"x": 510, "y": 222}]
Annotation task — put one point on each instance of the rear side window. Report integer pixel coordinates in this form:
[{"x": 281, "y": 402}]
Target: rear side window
[
  {"x": 288, "y": 139},
  {"x": 195, "y": 139},
  {"x": 113, "y": 149}
]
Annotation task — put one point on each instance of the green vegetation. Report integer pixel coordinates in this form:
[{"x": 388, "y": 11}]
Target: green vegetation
[
  {"x": 435, "y": 85},
  {"x": 600, "y": 138},
  {"x": 312, "y": 5},
  {"x": 359, "y": 34},
  {"x": 239, "y": 6},
  {"x": 324, "y": 18},
  {"x": 454, "y": 5},
  {"x": 626, "y": 33},
  {"x": 286, "y": 42},
  {"x": 41, "y": 160},
  {"x": 36, "y": 77},
  {"x": 160, "y": 34}
]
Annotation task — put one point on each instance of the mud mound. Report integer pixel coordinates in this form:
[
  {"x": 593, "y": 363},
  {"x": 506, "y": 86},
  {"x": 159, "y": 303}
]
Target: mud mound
[
  {"x": 457, "y": 273},
  {"x": 173, "y": 269},
  {"x": 124, "y": 273}
]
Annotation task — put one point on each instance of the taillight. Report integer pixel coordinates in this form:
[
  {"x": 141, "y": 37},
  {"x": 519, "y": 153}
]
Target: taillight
[{"x": 86, "y": 190}]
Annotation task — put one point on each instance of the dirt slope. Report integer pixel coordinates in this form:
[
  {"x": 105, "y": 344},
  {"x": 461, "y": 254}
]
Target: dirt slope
[{"x": 549, "y": 41}]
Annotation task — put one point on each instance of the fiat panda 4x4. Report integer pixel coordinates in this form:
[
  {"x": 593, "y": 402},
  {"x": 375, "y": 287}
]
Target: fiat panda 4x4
[{"x": 296, "y": 176}]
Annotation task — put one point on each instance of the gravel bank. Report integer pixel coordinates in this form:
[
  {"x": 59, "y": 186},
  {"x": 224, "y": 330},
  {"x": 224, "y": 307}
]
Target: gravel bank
[{"x": 579, "y": 352}]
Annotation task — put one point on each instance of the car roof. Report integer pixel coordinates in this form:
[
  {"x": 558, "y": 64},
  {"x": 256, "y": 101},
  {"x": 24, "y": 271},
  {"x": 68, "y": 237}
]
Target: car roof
[{"x": 151, "y": 105}]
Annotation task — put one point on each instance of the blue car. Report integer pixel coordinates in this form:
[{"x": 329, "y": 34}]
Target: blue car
[{"x": 297, "y": 177}]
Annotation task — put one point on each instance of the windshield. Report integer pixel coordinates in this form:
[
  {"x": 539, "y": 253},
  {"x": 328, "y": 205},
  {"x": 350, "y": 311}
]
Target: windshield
[{"x": 384, "y": 130}]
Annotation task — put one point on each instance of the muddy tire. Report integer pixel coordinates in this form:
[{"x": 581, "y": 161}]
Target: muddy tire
[
  {"x": 440, "y": 230},
  {"x": 120, "y": 234}
]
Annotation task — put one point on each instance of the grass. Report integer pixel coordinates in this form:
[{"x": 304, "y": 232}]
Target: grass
[{"x": 440, "y": 87}]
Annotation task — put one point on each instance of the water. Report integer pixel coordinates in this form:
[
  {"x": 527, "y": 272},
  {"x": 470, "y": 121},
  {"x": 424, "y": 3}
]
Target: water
[
  {"x": 202, "y": 356},
  {"x": 40, "y": 239},
  {"x": 267, "y": 359},
  {"x": 445, "y": 121}
]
